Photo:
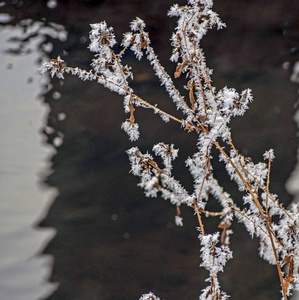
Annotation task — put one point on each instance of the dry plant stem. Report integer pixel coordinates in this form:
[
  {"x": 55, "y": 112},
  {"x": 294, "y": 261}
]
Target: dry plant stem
[
  {"x": 199, "y": 217},
  {"x": 270, "y": 232},
  {"x": 218, "y": 128},
  {"x": 195, "y": 204},
  {"x": 268, "y": 181},
  {"x": 123, "y": 51},
  {"x": 136, "y": 97},
  {"x": 203, "y": 99},
  {"x": 158, "y": 109},
  {"x": 246, "y": 217},
  {"x": 196, "y": 70},
  {"x": 265, "y": 217},
  {"x": 202, "y": 128},
  {"x": 120, "y": 68},
  {"x": 208, "y": 81},
  {"x": 148, "y": 104},
  {"x": 178, "y": 210},
  {"x": 243, "y": 169},
  {"x": 211, "y": 213},
  {"x": 271, "y": 198},
  {"x": 256, "y": 201},
  {"x": 266, "y": 191},
  {"x": 155, "y": 166},
  {"x": 205, "y": 176},
  {"x": 172, "y": 86},
  {"x": 268, "y": 196},
  {"x": 132, "y": 109},
  {"x": 277, "y": 260}
]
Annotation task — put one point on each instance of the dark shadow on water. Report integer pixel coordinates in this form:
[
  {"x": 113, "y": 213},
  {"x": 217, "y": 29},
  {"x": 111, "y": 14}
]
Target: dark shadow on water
[{"x": 112, "y": 242}]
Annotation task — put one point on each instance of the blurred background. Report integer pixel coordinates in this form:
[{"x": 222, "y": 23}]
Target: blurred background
[{"x": 74, "y": 225}]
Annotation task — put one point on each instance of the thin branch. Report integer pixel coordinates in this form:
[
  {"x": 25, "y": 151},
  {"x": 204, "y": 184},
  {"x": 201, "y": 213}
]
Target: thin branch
[{"x": 268, "y": 181}]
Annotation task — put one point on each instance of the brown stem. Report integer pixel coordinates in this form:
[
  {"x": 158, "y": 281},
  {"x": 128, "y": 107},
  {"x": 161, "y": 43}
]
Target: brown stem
[
  {"x": 268, "y": 181},
  {"x": 255, "y": 199},
  {"x": 199, "y": 217},
  {"x": 277, "y": 261}
]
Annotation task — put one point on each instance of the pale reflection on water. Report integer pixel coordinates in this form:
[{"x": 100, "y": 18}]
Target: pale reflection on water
[
  {"x": 293, "y": 182},
  {"x": 23, "y": 200}
]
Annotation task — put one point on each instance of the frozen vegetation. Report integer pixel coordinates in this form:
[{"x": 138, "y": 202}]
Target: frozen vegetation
[{"x": 207, "y": 112}]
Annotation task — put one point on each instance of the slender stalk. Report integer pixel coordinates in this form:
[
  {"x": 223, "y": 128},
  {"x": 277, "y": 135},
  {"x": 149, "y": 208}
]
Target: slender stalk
[
  {"x": 199, "y": 218},
  {"x": 268, "y": 181},
  {"x": 277, "y": 261}
]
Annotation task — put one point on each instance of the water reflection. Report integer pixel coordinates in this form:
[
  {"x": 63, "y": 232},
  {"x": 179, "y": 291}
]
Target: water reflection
[
  {"x": 293, "y": 181},
  {"x": 111, "y": 242},
  {"x": 24, "y": 272}
]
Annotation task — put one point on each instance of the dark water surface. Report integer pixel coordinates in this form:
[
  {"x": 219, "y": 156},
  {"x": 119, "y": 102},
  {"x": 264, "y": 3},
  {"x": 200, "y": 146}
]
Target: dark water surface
[{"x": 111, "y": 242}]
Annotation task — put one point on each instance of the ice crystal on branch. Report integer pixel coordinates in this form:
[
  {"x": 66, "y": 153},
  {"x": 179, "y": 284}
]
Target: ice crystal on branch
[
  {"x": 168, "y": 154},
  {"x": 214, "y": 258},
  {"x": 131, "y": 129},
  {"x": 269, "y": 155},
  {"x": 101, "y": 36},
  {"x": 207, "y": 113},
  {"x": 149, "y": 296},
  {"x": 55, "y": 67}
]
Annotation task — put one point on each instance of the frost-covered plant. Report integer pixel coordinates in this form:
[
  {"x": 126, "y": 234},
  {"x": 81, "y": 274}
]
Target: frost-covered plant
[{"x": 208, "y": 113}]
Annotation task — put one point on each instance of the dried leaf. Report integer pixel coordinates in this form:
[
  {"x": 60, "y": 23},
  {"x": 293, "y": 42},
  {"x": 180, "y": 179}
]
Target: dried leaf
[
  {"x": 285, "y": 286},
  {"x": 191, "y": 97},
  {"x": 132, "y": 109},
  {"x": 289, "y": 260},
  {"x": 179, "y": 69},
  {"x": 224, "y": 226},
  {"x": 289, "y": 278}
]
